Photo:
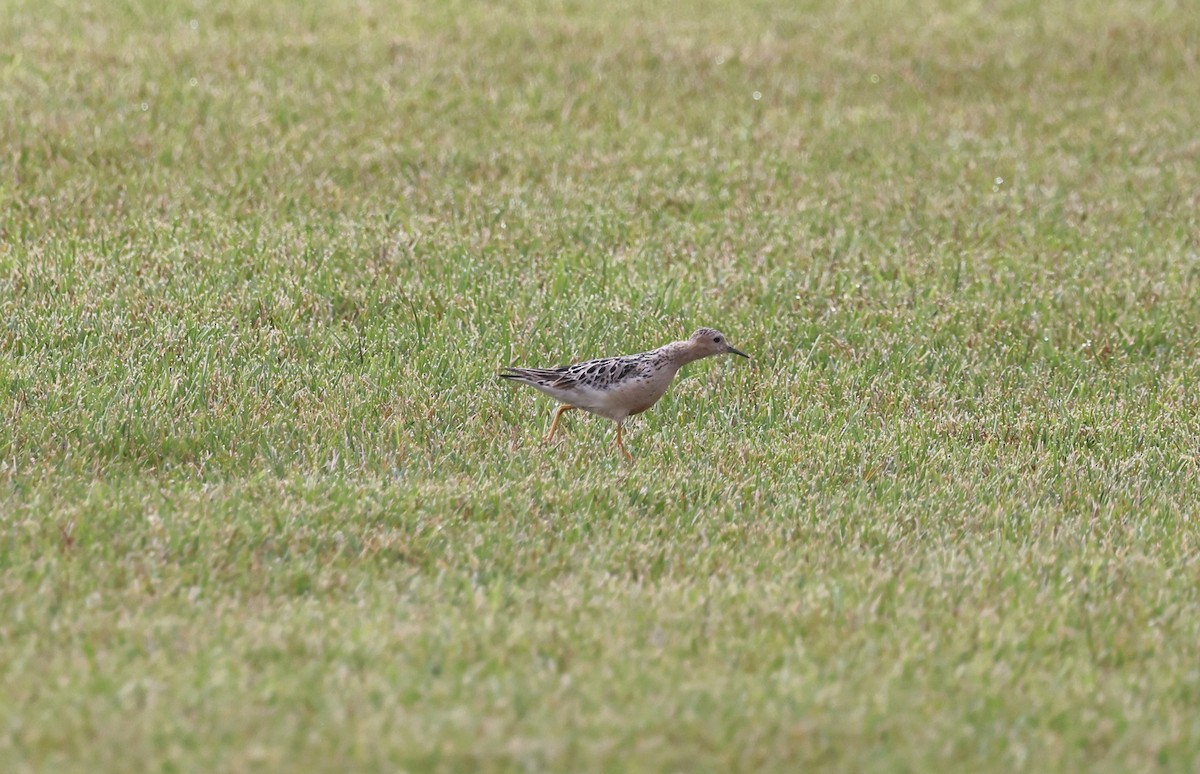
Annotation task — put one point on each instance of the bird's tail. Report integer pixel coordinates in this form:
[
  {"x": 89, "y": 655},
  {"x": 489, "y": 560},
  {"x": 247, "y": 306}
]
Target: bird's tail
[{"x": 538, "y": 377}]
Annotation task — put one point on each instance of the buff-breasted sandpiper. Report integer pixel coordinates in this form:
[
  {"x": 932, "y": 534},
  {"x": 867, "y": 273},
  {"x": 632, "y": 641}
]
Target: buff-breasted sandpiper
[{"x": 616, "y": 388}]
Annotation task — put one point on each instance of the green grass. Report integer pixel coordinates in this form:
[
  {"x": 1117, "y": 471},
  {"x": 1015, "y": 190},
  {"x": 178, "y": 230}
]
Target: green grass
[{"x": 266, "y": 506}]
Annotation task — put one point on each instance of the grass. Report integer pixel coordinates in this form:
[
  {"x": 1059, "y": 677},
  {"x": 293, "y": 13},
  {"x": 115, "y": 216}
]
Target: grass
[{"x": 266, "y": 507}]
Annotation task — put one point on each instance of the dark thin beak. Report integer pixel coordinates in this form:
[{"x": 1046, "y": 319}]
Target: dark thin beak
[{"x": 739, "y": 352}]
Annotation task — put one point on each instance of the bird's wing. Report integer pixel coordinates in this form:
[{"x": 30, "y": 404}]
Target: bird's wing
[
  {"x": 600, "y": 373},
  {"x": 606, "y": 371}
]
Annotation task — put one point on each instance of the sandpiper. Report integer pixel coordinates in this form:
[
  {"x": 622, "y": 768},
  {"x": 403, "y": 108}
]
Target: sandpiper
[{"x": 619, "y": 387}]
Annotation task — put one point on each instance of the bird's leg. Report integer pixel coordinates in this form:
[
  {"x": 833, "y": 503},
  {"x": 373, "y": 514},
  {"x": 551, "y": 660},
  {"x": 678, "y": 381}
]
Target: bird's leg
[
  {"x": 554, "y": 425},
  {"x": 621, "y": 445}
]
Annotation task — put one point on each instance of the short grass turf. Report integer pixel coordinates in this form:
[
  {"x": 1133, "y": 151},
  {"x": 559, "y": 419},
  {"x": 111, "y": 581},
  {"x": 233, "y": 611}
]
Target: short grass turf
[{"x": 266, "y": 506}]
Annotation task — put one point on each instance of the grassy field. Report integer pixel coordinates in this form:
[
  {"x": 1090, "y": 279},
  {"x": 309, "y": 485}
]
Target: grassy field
[{"x": 266, "y": 507}]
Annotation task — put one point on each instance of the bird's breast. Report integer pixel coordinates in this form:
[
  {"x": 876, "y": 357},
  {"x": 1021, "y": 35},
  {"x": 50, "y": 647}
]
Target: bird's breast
[{"x": 637, "y": 395}]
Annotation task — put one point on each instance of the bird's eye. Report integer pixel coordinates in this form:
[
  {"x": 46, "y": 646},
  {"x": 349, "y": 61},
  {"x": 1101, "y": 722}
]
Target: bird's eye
[{"x": 716, "y": 339}]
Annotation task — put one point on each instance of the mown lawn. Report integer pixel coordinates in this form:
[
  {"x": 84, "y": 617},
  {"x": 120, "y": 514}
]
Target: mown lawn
[{"x": 266, "y": 507}]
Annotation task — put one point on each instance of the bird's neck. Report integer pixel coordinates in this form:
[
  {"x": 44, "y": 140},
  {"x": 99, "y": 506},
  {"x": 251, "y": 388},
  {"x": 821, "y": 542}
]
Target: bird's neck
[{"x": 681, "y": 352}]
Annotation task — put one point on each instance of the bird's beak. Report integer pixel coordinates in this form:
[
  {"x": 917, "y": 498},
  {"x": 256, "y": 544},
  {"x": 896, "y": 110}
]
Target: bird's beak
[{"x": 739, "y": 352}]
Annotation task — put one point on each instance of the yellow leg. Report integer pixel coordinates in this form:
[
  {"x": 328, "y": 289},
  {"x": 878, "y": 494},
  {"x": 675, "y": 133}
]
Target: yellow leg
[
  {"x": 621, "y": 445},
  {"x": 554, "y": 425}
]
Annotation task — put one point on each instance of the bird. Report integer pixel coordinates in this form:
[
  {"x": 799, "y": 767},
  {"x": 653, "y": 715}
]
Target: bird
[{"x": 619, "y": 387}]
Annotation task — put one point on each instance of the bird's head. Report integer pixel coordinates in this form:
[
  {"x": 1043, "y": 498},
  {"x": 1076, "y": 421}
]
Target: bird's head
[{"x": 706, "y": 342}]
